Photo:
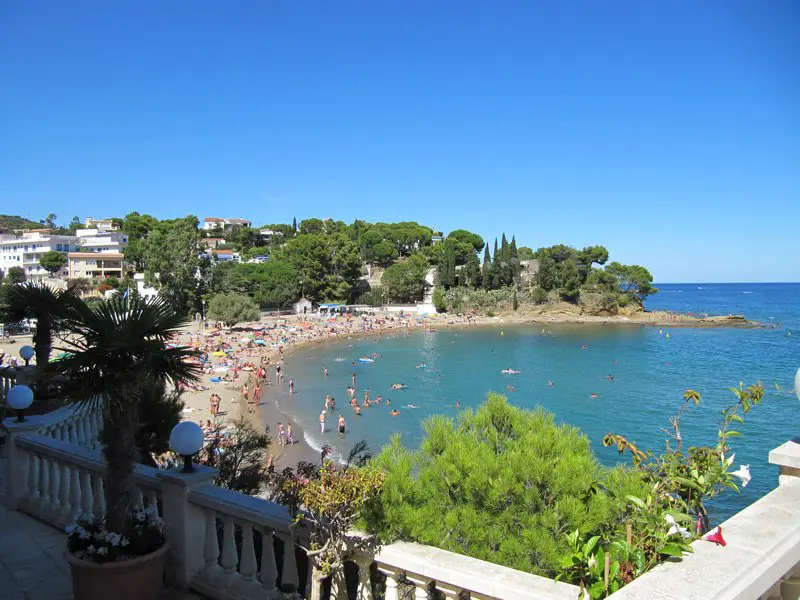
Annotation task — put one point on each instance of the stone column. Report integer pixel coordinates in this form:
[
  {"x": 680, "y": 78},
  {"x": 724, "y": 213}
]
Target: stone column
[
  {"x": 392, "y": 592},
  {"x": 16, "y": 472},
  {"x": 787, "y": 457},
  {"x": 420, "y": 586},
  {"x": 364, "y": 591},
  {"x": 185, "y": 523}
]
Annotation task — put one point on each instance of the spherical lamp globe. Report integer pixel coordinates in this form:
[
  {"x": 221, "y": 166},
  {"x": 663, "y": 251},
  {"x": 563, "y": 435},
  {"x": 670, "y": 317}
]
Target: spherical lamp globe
[
  {"x": 27, "y": 352},
  {"x": 20, "y": 398},
  {"x": 186, "y": 439}
]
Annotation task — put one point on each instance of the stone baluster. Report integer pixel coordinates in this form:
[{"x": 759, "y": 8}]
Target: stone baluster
[
  {"x": 392, "y": 593},
  {"x": 33, "y": 478},
  {"x": 420, "y": 586},
  {"x": 65, "y": 507},
  {"x": 211, "y": 544},
  {"x": 75, "y": 497},
  {"x": 87, "y": 493},
  {"x": 90, "y": 427},
  {"x": 339, "y": 586},
  {"x": 228, "y": 546},
  {"x": 289, "y": 576},
  {"x": 98, "y": 495},
  {"x": 138, "y": 498},
  {"x": 72, "y": 437},
  {"x": 152, "y": 499},
  {"x": 55, "y": 488},
  {"x": 269, "y": 569},
  {"x": 364, "y": 590},
  {"x": 44, "y": 485},
  {"x": 80, "y": 432},
  {"x": 248, "y": 563},
  {"x": 97, "y": 427}
]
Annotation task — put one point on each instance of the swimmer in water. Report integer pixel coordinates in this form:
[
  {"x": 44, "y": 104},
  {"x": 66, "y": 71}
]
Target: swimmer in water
[
  {"x": 595, "y": 395},
  {"x": 610, "y": 378},
  {"x": 458, "y": 404},
  {"x": 584, "y": 347},
  {"x": 325, "y": 371},
  {"x": 394, "y": 413},
  {"x": 550, "y": 383},
  {"x": 511, "y": 388}
]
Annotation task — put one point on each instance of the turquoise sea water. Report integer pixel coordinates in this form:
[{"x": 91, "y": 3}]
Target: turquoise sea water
[{"x": 650, "y": 372}]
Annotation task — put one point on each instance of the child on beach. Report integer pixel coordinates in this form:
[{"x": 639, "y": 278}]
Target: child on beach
[
  {"x": 289, "y": 435},
  {"x": 281, "y": 435}
]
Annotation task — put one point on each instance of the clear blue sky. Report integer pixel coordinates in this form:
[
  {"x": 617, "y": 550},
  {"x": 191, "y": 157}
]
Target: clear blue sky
[{"x": 667, "y": 131}]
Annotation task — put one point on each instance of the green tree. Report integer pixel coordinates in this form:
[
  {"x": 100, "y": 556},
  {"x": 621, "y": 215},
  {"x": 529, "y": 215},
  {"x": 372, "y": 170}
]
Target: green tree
[
  {"x": 405, "y": 281},
  {"x": 525, "y": 253},
  {"x": 472, "y": 271},
  {"x": 53, "y": 261},
  {"x": 294, "y": 226},
  {"x": 232, "y": 309},
  {"x": 633, "y": 280},
  {"x": 125, "y": 346},
  {"x": 159, "y": 411},
  {"x": 308, "y": 226},
  {"x": 570, "y": 284},
  {"x": 328, "y": 265},
  {"x": 49, "y": 307},
  {"x": 486, "y": 271},
  {"x": 438, "y": 300},
  {"x": 501, "y": 484},
  {"x": 137, "y": 227},
  {"x": 171, "y": 255},
  {"x": 383, "y": 253},
  {"x": 50, "y": 221},
  {"x": 15, "y": 275},
  {"x": 469, "y": 238}
]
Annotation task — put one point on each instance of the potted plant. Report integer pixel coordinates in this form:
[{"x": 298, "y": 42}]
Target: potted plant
[{"x": 118, "y": 351}]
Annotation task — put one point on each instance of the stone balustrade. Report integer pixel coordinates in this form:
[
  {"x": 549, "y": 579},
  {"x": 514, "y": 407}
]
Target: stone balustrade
[
  {"x": 8, "y": 377},
  {"x": 227, "y": 545}
]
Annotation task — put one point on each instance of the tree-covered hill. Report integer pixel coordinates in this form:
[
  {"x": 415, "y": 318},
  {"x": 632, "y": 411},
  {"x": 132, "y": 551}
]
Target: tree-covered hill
[{"x": 10, "y": 222}]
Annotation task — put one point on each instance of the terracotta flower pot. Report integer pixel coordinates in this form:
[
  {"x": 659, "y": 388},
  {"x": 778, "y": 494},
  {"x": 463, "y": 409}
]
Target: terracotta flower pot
[{"x": 135, "y": 579}]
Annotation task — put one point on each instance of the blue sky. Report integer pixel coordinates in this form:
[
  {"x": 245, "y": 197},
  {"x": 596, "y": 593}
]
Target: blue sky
[{"x": 667, "y": 131}]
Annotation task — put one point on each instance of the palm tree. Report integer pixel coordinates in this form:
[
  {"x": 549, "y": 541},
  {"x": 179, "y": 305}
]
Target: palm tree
[
  {"x": 50, "y": 308},
  {"x": 119, "y": 351}
]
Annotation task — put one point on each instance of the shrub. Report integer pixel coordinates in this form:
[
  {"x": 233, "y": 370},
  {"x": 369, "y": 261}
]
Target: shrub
[
  {"x": 538, "y": 295},
  {"x": 501, "y": 484},
  {"x": 438, "y": 300}
]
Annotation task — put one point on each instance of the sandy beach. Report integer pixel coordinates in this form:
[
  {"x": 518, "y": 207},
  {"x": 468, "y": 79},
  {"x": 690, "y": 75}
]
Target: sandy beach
[{"x": 250, "y": 355}]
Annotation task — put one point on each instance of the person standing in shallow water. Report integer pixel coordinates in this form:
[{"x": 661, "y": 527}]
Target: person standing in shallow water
[
  {"x": 341, "y": 424},
  {"x": 322, "y": 422}
]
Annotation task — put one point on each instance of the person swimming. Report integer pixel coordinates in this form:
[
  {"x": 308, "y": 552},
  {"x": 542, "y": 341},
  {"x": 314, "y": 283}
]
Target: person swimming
[
  {"x": 510, "y": 388},
  {"x": 458, "y": 404},
  {"x": 399, "y": 386},
  {"x": 550, "y": 383},
  {"x": 341, "y": 424},
  {"x": 595, "y": 395},
  {"x": 395, "y": 412}
]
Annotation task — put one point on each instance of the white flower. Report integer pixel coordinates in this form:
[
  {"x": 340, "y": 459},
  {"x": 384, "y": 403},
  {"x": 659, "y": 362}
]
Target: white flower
[
  {"x": 113, "y": 539},
  {"x": 743, "y": 473},
  {"x": 592, "y": 561},
  {"x": 83, "y": 534},
  {"x": 102, "y": 550},
  {"x": 727, "y": 462},
  {"x": 90, "y": 550},
  {"x": 70, "y": 529},
  {"x": 124, "y": 542},
  {"x": 675, "y": 528}
]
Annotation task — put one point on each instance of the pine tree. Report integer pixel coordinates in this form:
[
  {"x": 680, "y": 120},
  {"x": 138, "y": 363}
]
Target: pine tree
[
  {"x": 486, "y": 274},
  {"x": 497, "y": 268},
  {"x": 516, "y": 267},
  {"x": 505, "y": 262}
]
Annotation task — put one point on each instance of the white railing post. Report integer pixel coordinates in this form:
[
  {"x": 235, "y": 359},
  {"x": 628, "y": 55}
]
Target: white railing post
[
  {"x": 364, "y": 590},
  {"x": 17, "y": 466},
  {"x": 450, "y": 592},
  {"x": 269, "y": 570},
  {"x": 420, "y": 586},
  {"x": 186, "y": 524},
  {"x": 289, "y": 576},
  {"x": 392, "y": 593},
  {"x": 787, "y": 457}
]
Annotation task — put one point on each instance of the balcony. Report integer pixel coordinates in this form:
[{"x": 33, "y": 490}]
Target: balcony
[{"x": 53, "y": 470}]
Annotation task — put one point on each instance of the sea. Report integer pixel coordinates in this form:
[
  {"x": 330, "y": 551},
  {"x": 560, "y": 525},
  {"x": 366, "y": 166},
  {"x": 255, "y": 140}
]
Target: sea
[{"x": 623, "y": 379}]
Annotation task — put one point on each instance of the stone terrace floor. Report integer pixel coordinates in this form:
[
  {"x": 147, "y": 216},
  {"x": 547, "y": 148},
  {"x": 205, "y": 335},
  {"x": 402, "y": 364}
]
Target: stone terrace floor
[{"x": 32, "y": 565}]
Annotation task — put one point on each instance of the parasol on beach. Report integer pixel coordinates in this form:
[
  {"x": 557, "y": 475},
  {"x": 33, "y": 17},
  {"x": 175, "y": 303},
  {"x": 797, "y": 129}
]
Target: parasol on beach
[{"x": 218, "y": 353}]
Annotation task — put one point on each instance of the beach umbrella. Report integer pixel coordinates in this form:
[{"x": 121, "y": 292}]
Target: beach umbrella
[
  {"x": 261, "y": 342},
  {"x": 245, "y": 340},
  {"x": 218, "y": 354}
]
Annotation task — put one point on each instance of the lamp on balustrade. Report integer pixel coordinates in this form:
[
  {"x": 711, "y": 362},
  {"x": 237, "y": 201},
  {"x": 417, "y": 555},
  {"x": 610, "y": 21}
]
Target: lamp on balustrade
[
  {"x": 186, "y": 439},
  {"x": 20, "y": 397},
  {"x": 27, "y": 352}
]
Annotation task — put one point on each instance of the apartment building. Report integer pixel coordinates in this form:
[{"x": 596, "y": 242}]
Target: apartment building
[
  {"x": 99, "y": 240},
  {"x": 220, "y": 224},
  {"x": 95, "y": 265},
  {"x": 27, "y": 249}
]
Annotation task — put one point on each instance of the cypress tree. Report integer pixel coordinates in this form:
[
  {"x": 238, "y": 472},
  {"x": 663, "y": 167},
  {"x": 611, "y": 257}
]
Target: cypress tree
[
  {"x": 505, "y": 262},
  {"x": 497, "y": 268},
  {"x": 294, "y": 226},
  {"x": 516, "y": 267},
  {"x": 486, "y": 273}
]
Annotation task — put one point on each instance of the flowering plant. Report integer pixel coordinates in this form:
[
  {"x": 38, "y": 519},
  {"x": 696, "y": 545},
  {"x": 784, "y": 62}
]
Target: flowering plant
[{"x": 88, "y": 538}]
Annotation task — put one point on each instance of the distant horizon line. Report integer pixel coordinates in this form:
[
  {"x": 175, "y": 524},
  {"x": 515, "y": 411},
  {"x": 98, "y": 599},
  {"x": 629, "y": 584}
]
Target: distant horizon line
[{"x": 657, "y": 283}]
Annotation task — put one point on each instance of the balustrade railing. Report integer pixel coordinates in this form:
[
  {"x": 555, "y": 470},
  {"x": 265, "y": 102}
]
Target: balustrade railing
[
  {"x": 229, "y": 545},
  {"x": 8, "y": 376},
  {"x": 57, "y": 480}
]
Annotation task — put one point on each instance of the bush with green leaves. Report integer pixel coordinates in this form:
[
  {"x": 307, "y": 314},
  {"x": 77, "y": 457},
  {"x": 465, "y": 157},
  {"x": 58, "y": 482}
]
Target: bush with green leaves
[
  {"x": 232, "y": 309},
  {"x": 501, "y": 484}
]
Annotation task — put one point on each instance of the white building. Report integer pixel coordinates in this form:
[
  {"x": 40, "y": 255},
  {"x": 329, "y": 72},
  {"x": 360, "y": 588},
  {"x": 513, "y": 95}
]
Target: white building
[
  {"x": 101, "y": 224},
  {"x": 99, "y": 240},
  {"x": 217, "y": 223},
  {"x": 27, "y": 249},
  {"x": 94, "y": 265}
]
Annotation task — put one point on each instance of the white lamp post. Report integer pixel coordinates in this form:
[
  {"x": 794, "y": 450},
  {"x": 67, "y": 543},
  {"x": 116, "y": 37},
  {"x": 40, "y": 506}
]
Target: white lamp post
[
  {"x": 186, "y": 439},
  {"x": 20, "y": 397},
  {"x": 27, "y": 352}
]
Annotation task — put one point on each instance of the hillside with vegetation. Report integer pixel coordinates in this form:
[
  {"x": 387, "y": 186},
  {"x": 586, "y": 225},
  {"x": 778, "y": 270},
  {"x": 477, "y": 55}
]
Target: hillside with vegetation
[{"x": 12, "y": 222}]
